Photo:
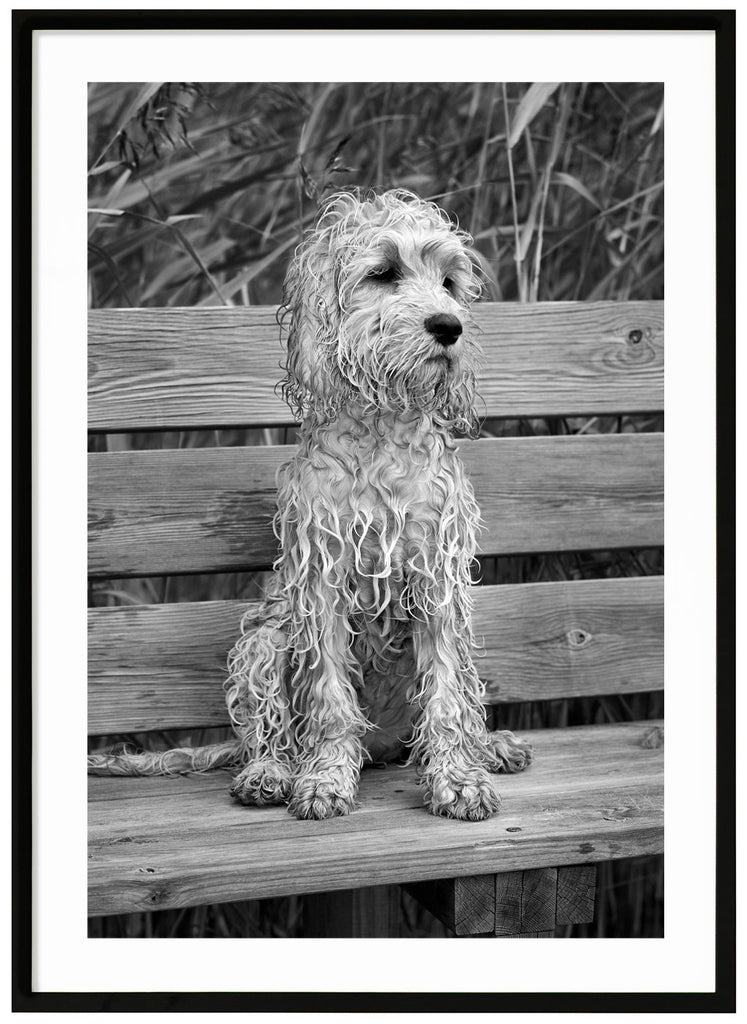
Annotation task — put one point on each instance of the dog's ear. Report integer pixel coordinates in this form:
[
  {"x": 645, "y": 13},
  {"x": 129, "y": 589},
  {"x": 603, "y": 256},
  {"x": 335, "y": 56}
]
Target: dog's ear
[
  {"x": 478, "y": 272},
  {"x": 310, "y": 311},
  {"x": 483, "y": 281}
]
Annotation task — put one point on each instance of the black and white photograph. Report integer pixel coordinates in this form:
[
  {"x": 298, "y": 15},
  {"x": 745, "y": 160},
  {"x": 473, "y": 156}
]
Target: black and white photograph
[
  {"x": 376, "y": 509},
  {"x": 365, "y": 364}
]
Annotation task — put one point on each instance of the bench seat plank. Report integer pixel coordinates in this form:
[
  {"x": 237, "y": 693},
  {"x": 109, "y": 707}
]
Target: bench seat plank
[
  {"x": 203, "y": 368},
  {"x": 162, "y": 666},
  {"x": 157, "y": 843},
  {"x": 210, "y": 509}
]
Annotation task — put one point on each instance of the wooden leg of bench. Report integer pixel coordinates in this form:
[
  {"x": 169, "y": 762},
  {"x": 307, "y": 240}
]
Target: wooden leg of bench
[
  {"x": 465, "y": 905},
  {"x": 368, "y": 913},
  {"x": 527, "y": 904},
  {"x": 525, "y": 901},
  {"x": 576, "y": 891}
]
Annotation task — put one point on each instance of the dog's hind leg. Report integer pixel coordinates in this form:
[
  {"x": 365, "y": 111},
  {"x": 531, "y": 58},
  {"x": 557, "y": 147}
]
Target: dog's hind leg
[{"x": 259, "y": 707}]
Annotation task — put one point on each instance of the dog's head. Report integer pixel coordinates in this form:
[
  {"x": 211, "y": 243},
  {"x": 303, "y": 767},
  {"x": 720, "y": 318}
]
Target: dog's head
[{"x": 376, "y": 307}]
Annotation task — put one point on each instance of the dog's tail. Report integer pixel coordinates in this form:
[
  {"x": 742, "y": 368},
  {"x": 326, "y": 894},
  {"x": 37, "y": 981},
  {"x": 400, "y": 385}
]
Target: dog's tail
[{"x": 177, "y": 761}]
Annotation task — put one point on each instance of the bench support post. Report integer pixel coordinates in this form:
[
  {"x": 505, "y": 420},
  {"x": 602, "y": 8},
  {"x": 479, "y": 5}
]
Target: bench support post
[
  {"x": 518, "y": 904},
  {"x": 372, "y": 912}
]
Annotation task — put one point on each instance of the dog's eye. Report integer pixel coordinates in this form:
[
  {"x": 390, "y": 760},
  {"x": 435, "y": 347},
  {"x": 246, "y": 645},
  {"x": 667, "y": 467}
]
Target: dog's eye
[
  {"x": 384, "y": 275},
  {"x": 448, "y": 284}
]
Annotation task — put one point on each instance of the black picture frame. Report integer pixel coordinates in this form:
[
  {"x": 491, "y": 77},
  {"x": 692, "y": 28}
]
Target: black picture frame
[{"x": 723, "y": 998}]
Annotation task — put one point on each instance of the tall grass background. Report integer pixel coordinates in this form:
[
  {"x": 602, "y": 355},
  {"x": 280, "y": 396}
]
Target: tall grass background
[{"x": 198, "y": 194}]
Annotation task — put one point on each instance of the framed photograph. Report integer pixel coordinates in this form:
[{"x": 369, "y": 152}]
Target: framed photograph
[{"x": 352, "y": 358}]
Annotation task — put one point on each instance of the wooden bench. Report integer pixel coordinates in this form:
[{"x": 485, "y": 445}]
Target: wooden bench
[{"x": 594, "y": 793}]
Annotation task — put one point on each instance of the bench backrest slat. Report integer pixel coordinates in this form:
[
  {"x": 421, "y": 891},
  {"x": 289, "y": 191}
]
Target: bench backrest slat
[
  {"x": 210, "y": 509},
  {"x": 202, "y": 368},
  {"x": 162, "y": 666}
]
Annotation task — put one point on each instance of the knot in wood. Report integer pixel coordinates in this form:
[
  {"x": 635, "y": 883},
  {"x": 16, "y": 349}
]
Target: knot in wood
[
  {"x": 618, "y": 813},
  {"x": 635, "y": 337},
  {"x": 578, "y": 638}
]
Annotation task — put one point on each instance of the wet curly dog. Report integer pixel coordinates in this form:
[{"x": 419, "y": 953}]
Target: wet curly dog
[
  {"x": 363, "y": 643},
  {"x": 364, "y": 640}
]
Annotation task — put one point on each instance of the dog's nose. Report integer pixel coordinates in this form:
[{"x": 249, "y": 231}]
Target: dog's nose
[{"x": 444, "y": 327}]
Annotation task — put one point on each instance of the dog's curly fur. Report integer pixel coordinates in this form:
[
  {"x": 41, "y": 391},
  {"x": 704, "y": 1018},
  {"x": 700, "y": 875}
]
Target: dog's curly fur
[{"x": 364, "y": 642}]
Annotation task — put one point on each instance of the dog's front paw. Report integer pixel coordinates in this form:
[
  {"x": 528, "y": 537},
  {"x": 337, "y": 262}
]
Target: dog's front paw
[
  {"x": 262, "y": 782},
  {"x": 322, "y": 796},
  {"x": 470, "y": 797},
  {"x": 509, "y": 753}
]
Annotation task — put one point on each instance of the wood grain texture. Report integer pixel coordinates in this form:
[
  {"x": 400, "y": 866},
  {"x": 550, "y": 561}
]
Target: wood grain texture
[
  {"x": 209, "y": 510},
  {"x": 180, "y": 368},
  {"x": 157, "y": 843},
  {"x": 474, "y": 904},
  {"x": 163, "y": 666},
  {"x": 539, "y": 889},
  {"x": 532, "y": 903},
  {"x": 576, "y": 893},
  {"x": 508, "y": 888},
  {"x": 465, "y": 905}
]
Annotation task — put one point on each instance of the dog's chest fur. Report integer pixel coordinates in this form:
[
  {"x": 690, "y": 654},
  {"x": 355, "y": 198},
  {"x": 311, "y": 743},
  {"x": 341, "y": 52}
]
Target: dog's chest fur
[
  {"x": 392, "y": 517},
  {"x": 380, "y": 489}
]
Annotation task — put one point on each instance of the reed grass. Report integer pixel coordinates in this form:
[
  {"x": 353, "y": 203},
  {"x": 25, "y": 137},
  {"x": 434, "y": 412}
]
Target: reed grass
[{"x": 197, "y": 193}]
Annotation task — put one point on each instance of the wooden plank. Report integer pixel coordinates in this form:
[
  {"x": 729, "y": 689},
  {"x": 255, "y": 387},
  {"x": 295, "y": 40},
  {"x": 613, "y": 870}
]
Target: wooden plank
[
  {"x": 522, "y": 904},
  {"x": 576, "y": 891},
  {"x": 474, "y": 904},
  {"x": 539, "y": 889},
  {"x": 583, "y": 638},
  {"x": 152, "y": 806},
  {"x": 465, "y": 905},
  {"x": 210, "y": 509},
  {"x": 188, "y": 843},
  {"x": 163, "y": 666},
  {"x": 371, "y": 912},
  {"x": 180, "y": 368},
  {"x": 508, "y": 888},
  {"x": 158, "y": 815},
  {"x": 393, "y": 845}
]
